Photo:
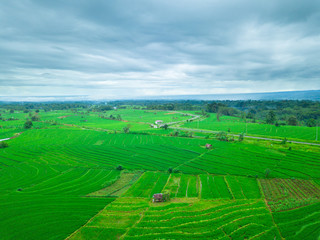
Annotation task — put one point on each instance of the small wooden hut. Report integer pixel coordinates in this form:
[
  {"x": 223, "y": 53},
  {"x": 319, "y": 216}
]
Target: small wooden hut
[
  {"x": 160, "y": 197},
  {"x": 208, "y": 146}
]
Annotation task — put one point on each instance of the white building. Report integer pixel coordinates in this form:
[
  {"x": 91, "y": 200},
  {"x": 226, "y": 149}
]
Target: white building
[{"x": 158, "y": 122}]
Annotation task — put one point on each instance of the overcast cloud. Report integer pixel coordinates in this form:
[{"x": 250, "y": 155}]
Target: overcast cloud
[{"x": 116, "y": 49}]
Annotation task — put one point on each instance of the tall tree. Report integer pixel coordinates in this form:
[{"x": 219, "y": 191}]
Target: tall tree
[
  {"x": 271, "y": 117},
  {"x": 293, "y": 121}
]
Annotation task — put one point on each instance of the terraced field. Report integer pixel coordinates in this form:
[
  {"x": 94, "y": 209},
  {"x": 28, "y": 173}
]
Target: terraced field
[
  {"x": 220, "y": 208},
  {"x": 28, "y": 216},
  {"x": 237, "y": 126},
  {"x": 121, "y": 185},
  {"x": 284, "y": 194},
  {"x": 147, "y": 185},
  {"x": 239, "y": 159},
  {"x": 300, "y": 223},
  {"x": 60, "y": 181},
  {"x": 139, "y": 219}
]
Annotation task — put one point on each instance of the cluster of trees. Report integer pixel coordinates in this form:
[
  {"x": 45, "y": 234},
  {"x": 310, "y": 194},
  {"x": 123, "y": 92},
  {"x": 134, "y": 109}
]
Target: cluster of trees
[
  {"x": 112, "y": 117},
  {"x": 223, "y": 136},
  {"x": 291, "y": 112},
  {"x": 221, "y": 109},
  {"x": 171, "y": 106},
  {"x": 126, "y": 129},
  {"x": 28, "y": 124},
  {"x": 272, "y": 118},
  {"x": 101, "y": 108},
  {"x": 26, "y": 106}
]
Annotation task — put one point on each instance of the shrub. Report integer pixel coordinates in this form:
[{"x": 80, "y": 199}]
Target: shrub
[
  {"x": 267, "y": 172},
  {"x": 35, "y": 117},
  {"x": 222, "y": 136},
  {"x": 3, "y": 144},
  {"x": 284, "y": 141},
  {"x": 311, "y": 123},
  {"x": 293, "y": 121},
  {"x": 165, "y": 126},
  {"x": 119, "y": 167},
  {"x": 126, "y": 129},
  {"x": 28, "y": 124},
  {"x": 241, "y": 137}
]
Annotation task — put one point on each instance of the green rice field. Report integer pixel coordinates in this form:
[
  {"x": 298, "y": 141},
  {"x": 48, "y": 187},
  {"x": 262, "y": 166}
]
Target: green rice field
[
  {"x": 76, "y": 175},
  {"x": 236, "y": 126}
]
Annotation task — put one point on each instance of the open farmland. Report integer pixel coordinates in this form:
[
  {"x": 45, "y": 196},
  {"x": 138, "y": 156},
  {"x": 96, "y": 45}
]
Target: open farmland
[
  {"x": 236, "y": 126},
  {"x": 300, "y": 223},
  {"x": 138, "y": 219},
  {"x": 65, "y": 169},
  {"x": 30, "y": 216}
]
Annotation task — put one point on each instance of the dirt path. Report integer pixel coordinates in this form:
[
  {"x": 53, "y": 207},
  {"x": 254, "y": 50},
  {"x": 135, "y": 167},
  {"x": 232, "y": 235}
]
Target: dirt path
[{"x": 4, "y": 139}]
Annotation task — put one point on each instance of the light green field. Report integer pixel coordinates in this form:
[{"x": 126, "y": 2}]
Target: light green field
[{"x": 181, "y": 220}]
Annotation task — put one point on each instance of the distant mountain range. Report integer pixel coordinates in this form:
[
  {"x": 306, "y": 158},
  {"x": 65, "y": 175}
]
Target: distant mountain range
[{"x": 313, "y": 95}]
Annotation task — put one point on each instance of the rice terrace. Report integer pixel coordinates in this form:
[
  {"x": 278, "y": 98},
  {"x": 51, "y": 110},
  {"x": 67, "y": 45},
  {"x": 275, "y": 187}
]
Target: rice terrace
[{"x": 132, "y": 171}]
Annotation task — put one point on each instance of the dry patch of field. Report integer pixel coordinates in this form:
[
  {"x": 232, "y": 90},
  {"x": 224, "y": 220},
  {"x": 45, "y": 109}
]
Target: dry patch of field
[
  {"x": 120, "y": 186},
  {"x": 284, "y": 194},
  {"x": 62, "y": 117},
  {"x": 169, "y": 113}
]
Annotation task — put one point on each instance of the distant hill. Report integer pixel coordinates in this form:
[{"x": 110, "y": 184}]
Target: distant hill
[{"x": 313, "y": 95}]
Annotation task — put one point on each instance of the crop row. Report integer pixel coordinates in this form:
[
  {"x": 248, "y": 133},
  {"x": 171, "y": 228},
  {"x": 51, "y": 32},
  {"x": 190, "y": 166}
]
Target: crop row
[
  {"x": 284, "y": 194},
  {"x": 203, "y": 220},
  {"x": 234, "y": 125},
  {"x": 39, "y": 179},
  {"x": 239, "y": 159},
  {"x": 277, "y": 189},
  {"x": 35, "y": 217},
  {"x": 98, "y": 149},
  {"x": 148, "y": 184},
  {"x": 301, "y": 223},
  {"x": 121, "y": 185},
  {"x": 200, "y": 219},
  {"x": 79, "y": 148},
  {"x": 113, "y": 220},
  {"x": 202, "y": 186}
]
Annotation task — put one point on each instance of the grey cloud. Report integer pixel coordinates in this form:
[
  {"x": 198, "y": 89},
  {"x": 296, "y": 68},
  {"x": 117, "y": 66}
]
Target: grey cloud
[{"x": 158, "y": 47}]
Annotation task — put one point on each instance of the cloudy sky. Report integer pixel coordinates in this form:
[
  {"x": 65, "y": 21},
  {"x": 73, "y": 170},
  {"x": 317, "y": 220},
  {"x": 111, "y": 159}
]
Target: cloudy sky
[{"x": 116, "y": 49}]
